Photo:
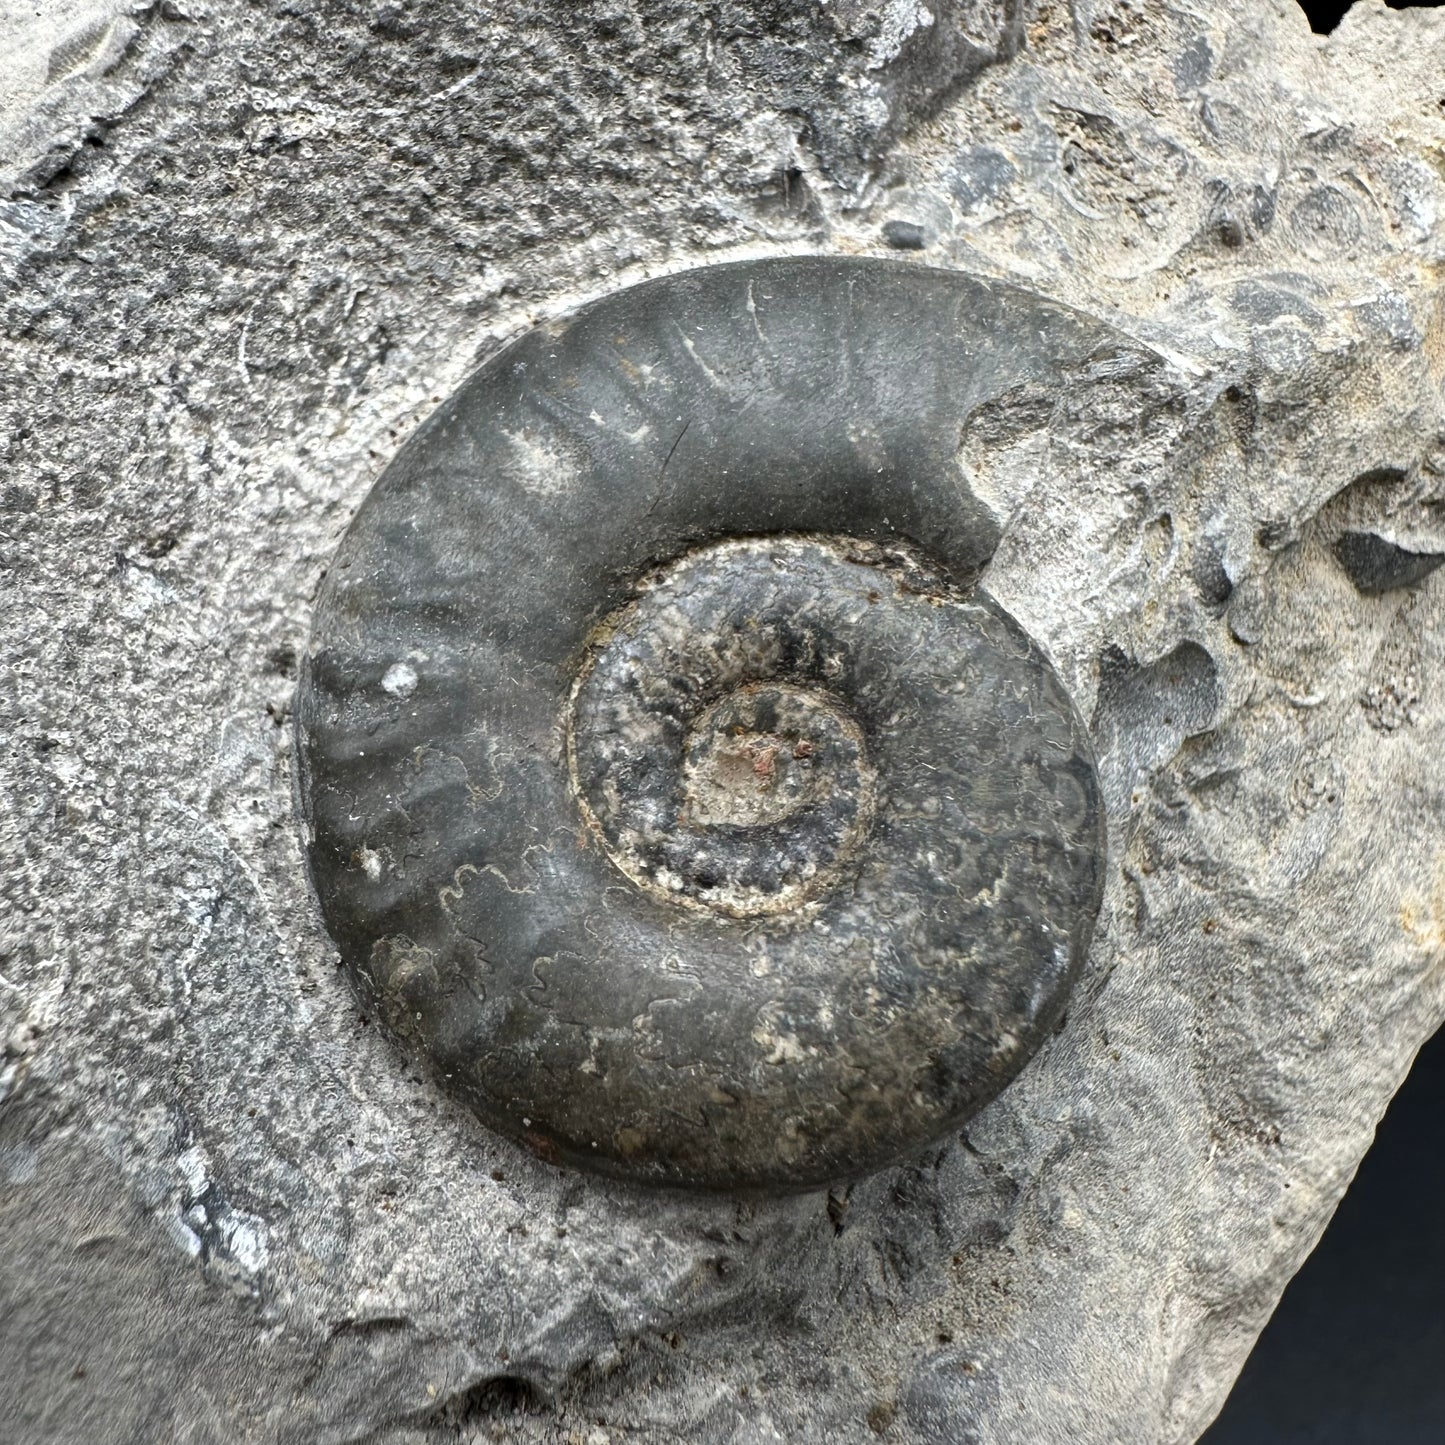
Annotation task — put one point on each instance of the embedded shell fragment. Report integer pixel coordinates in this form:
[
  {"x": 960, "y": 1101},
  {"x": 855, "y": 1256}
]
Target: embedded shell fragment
[{"x": 672, "y": 793}]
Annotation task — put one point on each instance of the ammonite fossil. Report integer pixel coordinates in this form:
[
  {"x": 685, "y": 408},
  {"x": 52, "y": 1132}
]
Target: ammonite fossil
[{"x": 671, "y": 789}]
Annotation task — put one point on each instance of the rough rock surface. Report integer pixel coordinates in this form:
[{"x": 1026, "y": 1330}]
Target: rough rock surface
[{"x": 244, "y": 248}]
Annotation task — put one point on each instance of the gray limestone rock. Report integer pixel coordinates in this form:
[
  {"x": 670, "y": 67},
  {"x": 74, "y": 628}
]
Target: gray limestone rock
[{"x": 246, "y": 250}]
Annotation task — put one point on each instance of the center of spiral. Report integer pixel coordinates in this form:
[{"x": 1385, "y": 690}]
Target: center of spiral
[
  {"x": 713, "y": 749},
  {"x": 760, "y": 754}
]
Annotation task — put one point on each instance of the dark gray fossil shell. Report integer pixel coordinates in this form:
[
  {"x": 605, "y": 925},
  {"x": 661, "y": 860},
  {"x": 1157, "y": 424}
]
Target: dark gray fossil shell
[{"x": 670, "y": 790}]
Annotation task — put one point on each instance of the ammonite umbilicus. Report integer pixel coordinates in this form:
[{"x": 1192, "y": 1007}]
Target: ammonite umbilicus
[{"x": 671, "y": 791}]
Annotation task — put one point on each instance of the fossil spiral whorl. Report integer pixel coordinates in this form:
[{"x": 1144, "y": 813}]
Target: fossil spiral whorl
[
  {"x": 713, "y": 741},
  {"x": 673, "y": 793}
]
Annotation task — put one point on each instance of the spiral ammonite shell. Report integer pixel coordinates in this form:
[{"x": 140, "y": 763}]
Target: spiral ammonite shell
[{"x": 671, "y": 790}]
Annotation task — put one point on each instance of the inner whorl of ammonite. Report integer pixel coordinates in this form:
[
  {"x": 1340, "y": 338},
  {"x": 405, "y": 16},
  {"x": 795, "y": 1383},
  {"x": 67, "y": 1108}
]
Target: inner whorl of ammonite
[{"x": 713, "y": 740}]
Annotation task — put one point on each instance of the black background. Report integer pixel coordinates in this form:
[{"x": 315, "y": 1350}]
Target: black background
[
  {"x": 1355, "y": 1354},
  {"x": 1326, "y": 14}
]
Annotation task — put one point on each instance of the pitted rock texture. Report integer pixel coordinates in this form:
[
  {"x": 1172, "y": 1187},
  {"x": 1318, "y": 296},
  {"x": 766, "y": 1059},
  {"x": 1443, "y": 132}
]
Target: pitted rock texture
[{"x": 246, "y": 249}]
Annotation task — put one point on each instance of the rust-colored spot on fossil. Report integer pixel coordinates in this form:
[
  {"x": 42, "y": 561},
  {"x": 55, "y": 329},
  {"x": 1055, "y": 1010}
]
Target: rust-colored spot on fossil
[{"x": 542, "y": 1146}]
